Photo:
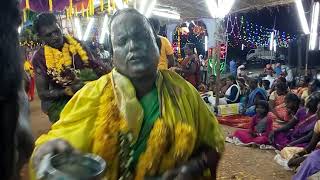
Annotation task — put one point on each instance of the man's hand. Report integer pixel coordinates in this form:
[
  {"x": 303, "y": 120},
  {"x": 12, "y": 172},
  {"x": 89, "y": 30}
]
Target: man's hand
[{"x": 52, "y": 147}]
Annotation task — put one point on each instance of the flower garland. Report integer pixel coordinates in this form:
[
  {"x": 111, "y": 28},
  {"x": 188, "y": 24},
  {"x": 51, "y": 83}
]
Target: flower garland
[
  {"x": 160, "y": 155},
  {"x": 57, "y": 61},
  {"x": 28, "y": 68}
]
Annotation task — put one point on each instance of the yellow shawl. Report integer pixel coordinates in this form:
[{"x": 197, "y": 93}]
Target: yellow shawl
[{"x": 94, "y": 117}]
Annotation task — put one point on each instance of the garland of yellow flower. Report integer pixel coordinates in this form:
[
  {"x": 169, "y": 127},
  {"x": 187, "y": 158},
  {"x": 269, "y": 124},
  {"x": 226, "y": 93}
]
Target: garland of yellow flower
[
  {"x": 28, "y": 68},
  {"x": 57, "y": 61},
  {"x": 157, "y": 158}
]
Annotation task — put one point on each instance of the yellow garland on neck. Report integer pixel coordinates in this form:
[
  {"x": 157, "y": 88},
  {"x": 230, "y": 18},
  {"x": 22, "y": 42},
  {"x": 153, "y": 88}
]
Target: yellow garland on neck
[
  {"x": 57, "y": 61},
  {"x": 28, "y": 68},
  {"x": 160, "y": 155}
]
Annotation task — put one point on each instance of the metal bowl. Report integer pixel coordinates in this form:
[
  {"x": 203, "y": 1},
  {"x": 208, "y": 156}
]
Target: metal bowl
[{"x": 75, "y": 167}]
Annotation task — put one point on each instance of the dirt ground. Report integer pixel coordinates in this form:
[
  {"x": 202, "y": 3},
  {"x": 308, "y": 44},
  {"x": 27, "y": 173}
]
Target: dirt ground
[{"x": 238, "y": 163}]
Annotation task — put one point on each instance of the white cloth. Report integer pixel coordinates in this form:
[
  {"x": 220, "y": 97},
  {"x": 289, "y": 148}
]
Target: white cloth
[
  {"x": 241, "y": 72},
  {"x": 228, "y": 92},
  {"x": 270, "y": 79},
  {"x": 289, "y": 76},
  {"x": 104, "y": 54}
]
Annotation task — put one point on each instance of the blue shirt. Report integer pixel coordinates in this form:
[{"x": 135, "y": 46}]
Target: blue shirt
[
  {"x": 278, "y": 71},
  {"x": 233, "y": 67}
]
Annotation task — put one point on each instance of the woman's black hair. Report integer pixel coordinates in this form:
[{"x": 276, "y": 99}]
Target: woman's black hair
[
  {"x": 233, "y": 79},
  {"x": 307, "y": 79},
  {"x": 263, "y": 104},
  {"x": 313, "y": 101},
  {"x": 282, "y": 86},
  {"x": 282, "y": 79},
  {"x": 292, "y": 98},
  {"x": 266, "y": 84},
  {"x": 130, "y": 11}
]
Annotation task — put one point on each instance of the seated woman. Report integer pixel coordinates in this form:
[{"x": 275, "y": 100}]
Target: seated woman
[
  {"x": 313, "y": 87},
  {"x": 268, "y": 70},
  {"x": 310, "y": 167},
  {"x": 260, "y": 127},
  {"x": 255, "y": 95},
  {"x": 244, "y": 90},
  {"x": 311, "y": 163},
  {"x": 298, "y": 131},
  {"x": 277, "y": 102},
  {"x": 303, "y": 85},
  {"x": 299, "y": 157},
  {"x": 230, "y": 93}
]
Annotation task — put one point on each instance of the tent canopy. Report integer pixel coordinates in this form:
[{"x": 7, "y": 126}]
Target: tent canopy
[{"x": 190, "y": 9}]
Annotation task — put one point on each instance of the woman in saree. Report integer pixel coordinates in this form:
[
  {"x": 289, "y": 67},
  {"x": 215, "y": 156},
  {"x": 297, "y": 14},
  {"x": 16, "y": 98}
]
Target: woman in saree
[
  {"x": 143, "y": 122},
  {"x": 190, "y": 66},
  {"x": 313, "y": 86},
  {"x": 277, "y": 102},
  {"x": 297, "y": 132},
  {"x": 260, "y": 126},
  {"x": 256, "y": 94},
  {"x": 308, "y": 157},
  {"x": 303, "y": 85}
]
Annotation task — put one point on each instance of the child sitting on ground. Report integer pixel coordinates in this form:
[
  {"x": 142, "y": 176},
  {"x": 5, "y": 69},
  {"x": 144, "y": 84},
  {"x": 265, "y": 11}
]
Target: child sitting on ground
[{"x": 260, "y": 127}]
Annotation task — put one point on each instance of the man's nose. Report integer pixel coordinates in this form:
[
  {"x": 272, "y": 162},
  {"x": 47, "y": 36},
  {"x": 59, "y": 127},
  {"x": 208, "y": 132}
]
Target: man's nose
[{"x": 133, "y": 44}]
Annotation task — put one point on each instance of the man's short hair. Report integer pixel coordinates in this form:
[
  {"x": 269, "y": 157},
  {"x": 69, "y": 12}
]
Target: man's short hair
[{"x": 44, "y": 19}]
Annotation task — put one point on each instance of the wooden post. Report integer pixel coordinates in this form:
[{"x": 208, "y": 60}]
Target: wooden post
[
  {"x": 220, "y": 35},
  {"x": 299, "y": 56},
  {"x": 218, "y": 74}
]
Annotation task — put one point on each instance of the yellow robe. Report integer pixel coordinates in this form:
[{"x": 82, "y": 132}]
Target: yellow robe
[{"x": 99, "y": 111}]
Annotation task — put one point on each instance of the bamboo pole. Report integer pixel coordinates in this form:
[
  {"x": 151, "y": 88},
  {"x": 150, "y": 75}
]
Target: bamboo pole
[{"x": 218, "y": 75}]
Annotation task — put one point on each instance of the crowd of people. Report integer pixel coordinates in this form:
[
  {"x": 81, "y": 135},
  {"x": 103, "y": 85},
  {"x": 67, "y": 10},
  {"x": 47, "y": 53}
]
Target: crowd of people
[
  {"x": 285, "y": 116},
  {"x": 142, "y": 116}
]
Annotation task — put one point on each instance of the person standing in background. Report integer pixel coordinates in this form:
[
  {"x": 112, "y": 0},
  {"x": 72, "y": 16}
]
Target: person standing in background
[
  {"x": 233, "y": 67},
  {"x": 166, "y": 51},
  {"x": 203, "y": 69},
  {"x": 62, "y": 66}
]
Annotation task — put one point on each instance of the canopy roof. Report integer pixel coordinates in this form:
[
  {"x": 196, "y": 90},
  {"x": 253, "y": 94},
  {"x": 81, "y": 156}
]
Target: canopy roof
[
  {"x": 187, "y": 8},
  {"x": 198, "y": 8}
]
